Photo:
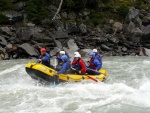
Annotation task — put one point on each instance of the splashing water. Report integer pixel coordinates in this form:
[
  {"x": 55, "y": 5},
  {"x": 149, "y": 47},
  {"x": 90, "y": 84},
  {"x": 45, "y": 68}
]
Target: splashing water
[{"x": 127, "y": 90}]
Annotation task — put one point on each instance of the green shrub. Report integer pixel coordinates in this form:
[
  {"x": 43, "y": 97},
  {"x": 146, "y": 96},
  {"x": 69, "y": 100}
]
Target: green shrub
[
  {"x": 6, "y": 5},
  {"x": 3, "y": 19},
  {"x": 123, "y": 10},
  {"x": 68, "y": 4},
  {"x": 36, "y": 10}
]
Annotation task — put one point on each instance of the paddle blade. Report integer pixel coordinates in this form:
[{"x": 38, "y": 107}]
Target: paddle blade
[
  {"x": 92, "y": 78},
  {"x": 54, "y": 84}
]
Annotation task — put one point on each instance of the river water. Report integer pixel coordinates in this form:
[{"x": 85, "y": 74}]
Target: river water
[{"x": 127, "y": 90}]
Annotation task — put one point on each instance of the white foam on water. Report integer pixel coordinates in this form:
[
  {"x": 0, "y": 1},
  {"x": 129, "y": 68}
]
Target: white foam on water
[
  {"x": 146, "y": 62},
  {"x": 9, "y": 70},
  {"x": 127, "y": 87}
]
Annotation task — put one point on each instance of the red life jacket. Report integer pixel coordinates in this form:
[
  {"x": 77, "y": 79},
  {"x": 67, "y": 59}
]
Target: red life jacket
[
  {"x": 83, "y": 68},
  {"x": 92, "y": 65}
]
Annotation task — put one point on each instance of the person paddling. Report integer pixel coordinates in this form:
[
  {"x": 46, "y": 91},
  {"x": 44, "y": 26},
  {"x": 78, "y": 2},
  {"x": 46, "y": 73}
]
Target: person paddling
[
  {"x": 76, "y": 65},
  {"x": 94, "y": 64},
  {"x": 44, "y": 58},
  {"x": 97, "y": 55},
  {"x": 80, "y": 65},
  {"x": 61, "y": 53},
  {"x": 65, "y": 65},
  {"x": 60, "y": 62}
]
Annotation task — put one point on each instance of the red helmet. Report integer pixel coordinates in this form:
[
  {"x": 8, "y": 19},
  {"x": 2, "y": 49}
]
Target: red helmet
[{"x": 43, "y": 50}]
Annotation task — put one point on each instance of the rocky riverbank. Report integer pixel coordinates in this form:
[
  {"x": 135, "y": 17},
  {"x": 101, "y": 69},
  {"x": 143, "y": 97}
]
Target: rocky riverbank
[{"x": 112, "y": 38}]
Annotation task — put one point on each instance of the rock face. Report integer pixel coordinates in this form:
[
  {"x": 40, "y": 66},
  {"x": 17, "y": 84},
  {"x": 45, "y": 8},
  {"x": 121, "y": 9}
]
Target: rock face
[
  {"x": 85, "y": 52},
  {"x": 136, "y": 35},
  {"x": 13, "y": 16},
  {"x": 117, "y": 26},
  {"x": 23, "y": 38},
  {"x": 29, "y": 49},
  {"x": 133, "y": 14},
  {"x": 83, "y": 29},
  {"x": 130, "y": 27},
  {"x": 146, "y": 34},
  {"x": 24, "y": 34},
  {"x": 3, "y": 41},
  {"x": 54, "y": 51},
  {"x": 72, "y": 48}
]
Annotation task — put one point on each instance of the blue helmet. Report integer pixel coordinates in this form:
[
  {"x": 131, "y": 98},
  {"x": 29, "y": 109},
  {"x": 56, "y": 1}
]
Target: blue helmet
[
  {"x": 64, "y": 57},
  {"x": 92, "y": 54}
]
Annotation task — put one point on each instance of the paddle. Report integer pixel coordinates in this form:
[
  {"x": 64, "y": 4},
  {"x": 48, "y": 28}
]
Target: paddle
[
  {"x": 54, "y": 74},
  {"x": 92, "y": 78},
  {"x": 87, "y": 75}
]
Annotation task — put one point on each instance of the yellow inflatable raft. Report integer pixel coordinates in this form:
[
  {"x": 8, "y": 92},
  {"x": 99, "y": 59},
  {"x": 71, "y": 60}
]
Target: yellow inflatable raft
[{"x": 39, "y": 71}]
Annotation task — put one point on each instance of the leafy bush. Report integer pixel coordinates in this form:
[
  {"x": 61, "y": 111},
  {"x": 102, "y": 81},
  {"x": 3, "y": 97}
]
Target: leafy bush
[
  {"x": 123, "y": 10},
  {"x": 6, "y": 5},
  {"x": 3, "y": 19},
  {"x": 36, "y": 10}
]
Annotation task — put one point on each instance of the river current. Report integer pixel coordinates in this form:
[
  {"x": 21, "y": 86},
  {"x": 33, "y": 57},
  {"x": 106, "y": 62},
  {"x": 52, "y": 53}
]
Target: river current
[{"x": 126, "y": 90}]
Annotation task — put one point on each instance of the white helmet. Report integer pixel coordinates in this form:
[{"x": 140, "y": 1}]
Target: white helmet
[
  {"x": 95, "y": 50},
  {"x": 78, "y": 55},
  {"x": 62, "y": 52}
]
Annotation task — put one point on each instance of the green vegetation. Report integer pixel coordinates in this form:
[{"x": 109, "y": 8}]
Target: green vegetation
[
  {"x": 36, "y": 10},
  {"x": 6, "y": 5},
  {"x": 3, "y": 19},
  {"x": 100, "y": 10}
]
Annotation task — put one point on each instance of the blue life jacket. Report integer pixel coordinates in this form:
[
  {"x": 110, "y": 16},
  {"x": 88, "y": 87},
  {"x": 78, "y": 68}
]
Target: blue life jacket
[
  {"x": 45, "y": 59},
  {"x": 95, "y": 64},
  {"x": 65, "y": 66},
  {"x": 98, "y": 57},
  {"x": 59, "y": 60}
]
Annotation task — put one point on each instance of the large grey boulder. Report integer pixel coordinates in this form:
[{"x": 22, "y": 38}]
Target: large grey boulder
[
  {"x": 24, "y": 33},
  {"x": 3, "y": 41},
  {"x": 133, "y": 14},
  {"x": 85, "y": 52},
  {"x": 146, "y": 22},
  {"x": 136, "y": 35},
  {"x": 13, "y": 16},
  {"x": 34, "y": 33},
  {"x": 147, "y": 52},
  {"x": 2, "y": 53},
  {"x": 28, "y": 49},
  {"x": 36, "y": 30},
  {"x": 58, "y": 44},
  {"x": 83, "y": 29},
  {"x": 71, "y": 27},
  {"x": 105, "y": 47},
  {"x": 130, "y": 27},
  {"x": 146, "y": 34},
  {"x": 54, "y": 51},
  {"x": 72, "y": 16},
  {"x": 138, "y": 22},
  {"x": 72, "y": 47},
  {"x": 42, "y": 38},
  {"x": 59, "y": 35},
  {"x": 9, "y": 47},
  {"x": 5, "y": 31},
  {"x": 117, "y": 26},
  {"x": 64, "y": 15},
  {"x": 58, "y": 25}
]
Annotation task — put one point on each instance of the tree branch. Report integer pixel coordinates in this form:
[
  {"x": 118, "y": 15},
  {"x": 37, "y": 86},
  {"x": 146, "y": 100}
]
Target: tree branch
[{"x": 58, "y": 9}]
